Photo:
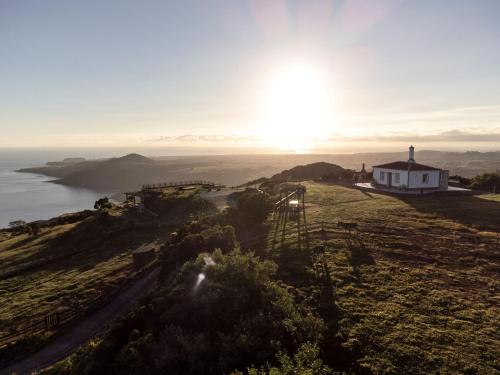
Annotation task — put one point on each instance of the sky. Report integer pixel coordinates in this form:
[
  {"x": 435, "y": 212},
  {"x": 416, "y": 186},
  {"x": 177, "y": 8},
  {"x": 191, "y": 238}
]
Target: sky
[{"x": 300, "y": 76}]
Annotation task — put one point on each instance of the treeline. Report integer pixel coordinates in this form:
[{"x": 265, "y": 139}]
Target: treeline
[
  {"x": 485, "y": 182},
  {"x": 218, "y": 310},
  {"x": 315, "y": 171},
  {"x": 34, "y": 227}
]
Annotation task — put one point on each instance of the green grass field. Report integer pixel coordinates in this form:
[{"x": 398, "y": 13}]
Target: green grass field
[
  {"x": 68, "y": 265},
  {"x": 419, "y": 293},
  {"x": 422, "y": 295}
]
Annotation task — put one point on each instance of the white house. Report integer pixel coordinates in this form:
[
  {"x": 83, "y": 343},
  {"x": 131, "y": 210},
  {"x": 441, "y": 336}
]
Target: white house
[{"x": 409, "y": 175}]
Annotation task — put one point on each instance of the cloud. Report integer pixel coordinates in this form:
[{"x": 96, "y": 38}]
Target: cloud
[
  {"x": 445, "y": 136},
  {"x": 192, "y": 138},
  {"x": 448, "y": 136},
  {"x": 481, "y": 119}
]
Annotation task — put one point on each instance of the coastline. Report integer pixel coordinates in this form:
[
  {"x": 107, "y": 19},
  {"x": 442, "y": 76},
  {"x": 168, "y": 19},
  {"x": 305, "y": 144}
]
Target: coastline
[{"x": 33, "y": 197}]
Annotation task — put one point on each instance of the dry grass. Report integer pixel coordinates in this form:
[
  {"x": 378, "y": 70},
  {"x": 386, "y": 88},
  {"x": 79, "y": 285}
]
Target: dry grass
[
  {"x": 422, "y": 297},
  {"x": 79, "y": 262}
]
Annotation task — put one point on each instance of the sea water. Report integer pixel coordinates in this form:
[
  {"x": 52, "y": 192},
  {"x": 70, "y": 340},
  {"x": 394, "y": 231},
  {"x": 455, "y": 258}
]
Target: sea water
[{"x": 29, "y": 197}]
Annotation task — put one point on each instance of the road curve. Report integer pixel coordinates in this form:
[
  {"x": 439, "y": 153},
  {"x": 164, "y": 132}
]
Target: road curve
[{"x": 85, "y": 330}]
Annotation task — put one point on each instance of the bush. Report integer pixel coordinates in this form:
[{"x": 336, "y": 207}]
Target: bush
[
  {"x": 237, "y": 316},
  {"x": 486, "y": 182},
  {"x": 249, "y": 212},
  {"x": 305, "y": 362},
  {"x": 193, "y": 240},
  {"x": 17, "y": 224},
  {"x": 463, "y": 181},
  {"x": 177, "y": 204},
  {"x": 103, "y": 204},
  {"x": 34, "y": 229},
  {"x": 254, "y": 207}
]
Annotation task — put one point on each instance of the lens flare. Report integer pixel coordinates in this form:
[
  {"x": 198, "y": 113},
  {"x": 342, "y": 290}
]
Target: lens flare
[
  {"x": 297, "y": 107},
  {"x": 201, "y": 277}
]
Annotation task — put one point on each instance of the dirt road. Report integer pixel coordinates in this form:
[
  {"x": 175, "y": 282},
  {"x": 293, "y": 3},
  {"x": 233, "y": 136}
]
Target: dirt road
[{"x": 86, "y": 330}]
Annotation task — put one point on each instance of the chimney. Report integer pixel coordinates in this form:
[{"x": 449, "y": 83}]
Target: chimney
[{"x": 411, "y": 155}]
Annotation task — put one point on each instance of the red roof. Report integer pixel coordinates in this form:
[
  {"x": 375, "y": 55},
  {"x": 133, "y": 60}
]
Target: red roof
[{"x": 404, "y": 166}]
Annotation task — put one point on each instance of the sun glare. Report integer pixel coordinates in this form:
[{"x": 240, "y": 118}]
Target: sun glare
[{"x": 297, "y": 108}]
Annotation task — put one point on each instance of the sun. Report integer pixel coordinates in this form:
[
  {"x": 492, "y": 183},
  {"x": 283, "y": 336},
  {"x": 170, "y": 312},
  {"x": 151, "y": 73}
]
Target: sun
[{"x": 297, "y": 107}]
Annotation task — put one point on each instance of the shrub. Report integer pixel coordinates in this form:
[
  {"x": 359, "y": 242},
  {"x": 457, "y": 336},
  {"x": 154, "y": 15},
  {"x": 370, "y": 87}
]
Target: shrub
[
  {"x": 486, "y": 182},
  {"x": 103, "y": 204},
  {"x": 237, "y": 316},
  {"x": 305, "y": 362},
  {"x": 249, "y": 212},
  {"x": 189, "y": 243},
  {"x": 17, "y": 224}
]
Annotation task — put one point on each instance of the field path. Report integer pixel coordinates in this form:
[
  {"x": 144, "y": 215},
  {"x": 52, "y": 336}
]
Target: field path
[{"x": 86, "y": 330}]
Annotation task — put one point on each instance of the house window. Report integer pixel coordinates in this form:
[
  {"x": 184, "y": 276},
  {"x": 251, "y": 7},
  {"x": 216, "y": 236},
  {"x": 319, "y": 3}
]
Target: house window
[
  {"x": 396, "y": 178},
  {"x": 425, "y": 178},
  {"x": 382, "y": 175}
]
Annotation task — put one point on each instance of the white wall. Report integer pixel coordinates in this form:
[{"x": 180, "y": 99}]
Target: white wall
[
  {"x": 403, "y": 177},
  {"x": 415, "y": 181},
  {"x": 416, "y": 178}
]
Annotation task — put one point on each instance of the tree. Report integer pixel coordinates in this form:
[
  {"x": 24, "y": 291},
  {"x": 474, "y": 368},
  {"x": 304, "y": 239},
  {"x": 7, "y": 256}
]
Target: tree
[
  {"x": 103, "y": 204},
  {"x": 306, "y": 361},
  {"x": 254, "y": 207},
  {"x": 34, "y": 229},
  {"x": 193, "y": 240},
  {"x": 486, "y": 182},
  {"x": 17, "y": 224},
  {"x": 237, "y": 315}
]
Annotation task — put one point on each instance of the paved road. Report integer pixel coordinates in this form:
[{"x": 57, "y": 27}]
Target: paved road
[{"x": 87, "y": 329}]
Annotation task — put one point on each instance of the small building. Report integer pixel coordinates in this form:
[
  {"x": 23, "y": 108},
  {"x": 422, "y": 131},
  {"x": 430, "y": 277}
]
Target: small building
[
  {"x": 144, "y": 255},
  {"x": 361, "y": 176},
  {"x": 410, "y": 175}
]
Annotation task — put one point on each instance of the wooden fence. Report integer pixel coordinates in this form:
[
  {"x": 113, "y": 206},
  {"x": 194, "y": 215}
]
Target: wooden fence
[
  {"x": 162, "y": 185},
  {"x": 65, "y": 316}
]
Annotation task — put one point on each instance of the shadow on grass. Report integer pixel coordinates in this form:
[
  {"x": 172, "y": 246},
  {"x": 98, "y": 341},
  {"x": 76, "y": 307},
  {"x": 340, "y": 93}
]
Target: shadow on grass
[
  {"x": 334, "y": 353},
  {"x": 465, "y": 208},
  {"x": 293, "y": 266},
  {"x": 309, "y": 271},
  {"x": 470, "y": 210},
  {"x": 92, "y": 241},
  {"x": 84, "y": 237},
  {"x": 360, "y": 257},
  {"x": 21, "y": 243},
  {"x": 365, "y": 193},
  {"x": 358, "y": 254}
]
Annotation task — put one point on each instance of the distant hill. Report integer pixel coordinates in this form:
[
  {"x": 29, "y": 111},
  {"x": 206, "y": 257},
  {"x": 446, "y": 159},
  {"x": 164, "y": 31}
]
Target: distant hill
[
  {"x": 107, "y": 175},
  {"x": 116, "y": 174},
  {"x": 131, "y": 158},
  {"x": 131, "y": 171},
  {"x": 312, "y": 171}
]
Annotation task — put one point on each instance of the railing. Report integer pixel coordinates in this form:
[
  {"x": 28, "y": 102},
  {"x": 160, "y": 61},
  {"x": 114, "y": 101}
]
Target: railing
[
  {"x": 163, "y": 185},
  {"x": 57, "y": 319}
]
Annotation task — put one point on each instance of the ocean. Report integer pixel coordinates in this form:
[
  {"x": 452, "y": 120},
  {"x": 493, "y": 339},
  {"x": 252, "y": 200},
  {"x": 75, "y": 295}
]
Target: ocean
[{"x": 29, "y": 197}]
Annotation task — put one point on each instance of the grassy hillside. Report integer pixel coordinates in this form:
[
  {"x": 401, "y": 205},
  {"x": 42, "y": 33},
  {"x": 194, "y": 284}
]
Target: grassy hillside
[
  {"x": 66, "y": 265},
  {"x": 422, "y": 296},
  {"x": 131, "y": 171},
  {"x": 413, "y": 290}
]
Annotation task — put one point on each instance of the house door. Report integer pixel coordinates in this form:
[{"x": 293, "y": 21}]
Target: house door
[{"x": 389, "y": 179}]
